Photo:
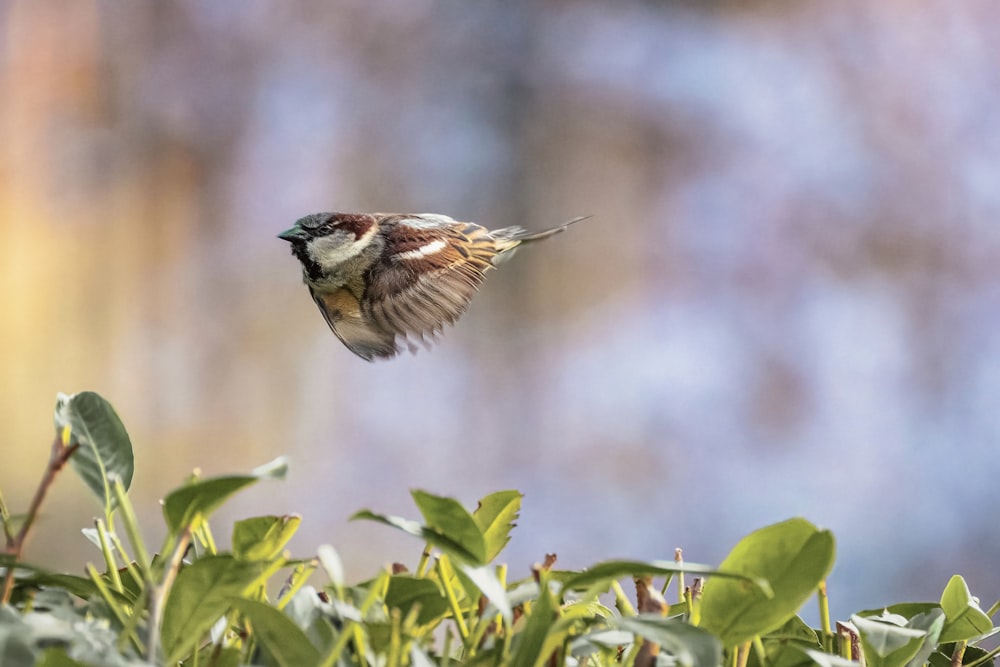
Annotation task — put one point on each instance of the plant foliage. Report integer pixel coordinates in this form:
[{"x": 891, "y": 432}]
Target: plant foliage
[{"x": 190, "y": 603}]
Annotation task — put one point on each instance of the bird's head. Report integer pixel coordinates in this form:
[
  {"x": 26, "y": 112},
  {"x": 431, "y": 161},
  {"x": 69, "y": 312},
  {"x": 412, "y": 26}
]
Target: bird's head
[{"x": 323, "y": 242}]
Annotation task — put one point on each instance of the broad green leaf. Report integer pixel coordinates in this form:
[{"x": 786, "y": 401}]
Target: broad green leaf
[
  {"x": 82, "y": 587},
  {"x": 785, "y": 646},
  {"x": 690, "y": 646},
  {"x": 613, "y": 570},
  {"x": 263, "y": 537},
  {"x": 104, "y": 449},
  {"x": 885, "y": 644},
  {"x": 202, "y": 593},
  {"x": 405, "y": 591},
  {"x": 529, "y": 642},
  {"x": 905, "y": 609},
  {"x": 931, "y": 623},
  {"x": 793, "y": 556},
  {"x": 447, "y": 518},
  {"x": 187, "y": 504},
  {"x": 495, "y": 517},
  {"x": 963, "y": 617},
  {"x": 442, "y": 542},
  {"x": 281, "y": 638}
]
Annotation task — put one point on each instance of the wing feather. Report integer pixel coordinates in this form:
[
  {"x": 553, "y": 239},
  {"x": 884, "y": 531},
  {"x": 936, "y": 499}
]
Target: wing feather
[
  {"x": 415, "y": 293},
  {"x": 342, "y": 311}
]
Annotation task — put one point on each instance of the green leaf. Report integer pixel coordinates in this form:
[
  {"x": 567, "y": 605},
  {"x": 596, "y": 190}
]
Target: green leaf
[
  {"x": 281, "y": 638},
  {"x": 885, "y": 644},
  {"x": 529, "y": 642},
  {"x": 446, "y": 517},
  {"x": 827, "y": 660},
  {"x": 613, "y": 570},
  {"x": 905, "y": 609},
  {"x": 56, "y": 657},
  {"x": 82, "y": 587},
  {"x": 405, "y": 591},
  {"x": 442, "y": 542},
  {"x": 263, "y": 537},
  {"x": 104, "y": 449},
  {"x": 495, "y": 517},
  {"x": 963, "y": 617},
  {"x": 202, "y": 593},
  {"x": 931, "y": 623},
  {"x": 486, "y": 580},
  {"x": 785, "y": 646},
  {"x": 690, "y": 646},
  {"x": 187, "y": 504},
  {"x": 794, "y": 556}
]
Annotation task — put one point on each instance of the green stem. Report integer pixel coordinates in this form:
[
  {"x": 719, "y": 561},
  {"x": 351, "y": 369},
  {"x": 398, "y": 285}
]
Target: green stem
[
  {"x": 132, "y": 531},
  {"x": 109, "y": 556},
  {"x": 444, "y": 574},
  {"x": 824, "y": 617},
  {"x": 114, "y": 606}
]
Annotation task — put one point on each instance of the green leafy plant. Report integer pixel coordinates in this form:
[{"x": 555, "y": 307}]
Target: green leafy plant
[{"x": 189, "y": 603}]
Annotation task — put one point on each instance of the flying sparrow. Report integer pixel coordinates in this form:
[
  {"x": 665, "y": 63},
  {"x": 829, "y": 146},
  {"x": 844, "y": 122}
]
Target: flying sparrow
[{"x": 378, "y": 277}]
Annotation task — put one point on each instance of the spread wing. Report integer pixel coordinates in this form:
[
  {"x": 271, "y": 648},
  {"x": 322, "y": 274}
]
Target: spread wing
[
  {"x": 342, "y": 312},
  {"x": 435, "y": 268}
]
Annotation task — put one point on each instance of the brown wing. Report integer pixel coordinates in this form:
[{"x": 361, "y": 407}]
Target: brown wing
[
  {"x": 342, "y": 312},
  {"x": 429, "y": 279}
]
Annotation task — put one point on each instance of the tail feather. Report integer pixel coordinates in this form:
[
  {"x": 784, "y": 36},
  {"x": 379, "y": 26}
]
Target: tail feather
[{"x": 511, "y": 237}]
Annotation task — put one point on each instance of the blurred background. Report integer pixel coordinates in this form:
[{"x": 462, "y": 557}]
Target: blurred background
[{"x": 787, "y": 303}]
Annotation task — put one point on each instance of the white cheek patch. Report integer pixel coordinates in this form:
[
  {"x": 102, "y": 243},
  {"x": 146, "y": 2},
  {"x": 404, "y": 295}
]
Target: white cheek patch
[
  {"x": 422, "y": 251},
  {"x": 330, "y": 252}
]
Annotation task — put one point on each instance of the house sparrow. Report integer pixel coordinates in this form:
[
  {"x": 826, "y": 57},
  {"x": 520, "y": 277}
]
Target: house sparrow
[{"x": 378, "y": 277}]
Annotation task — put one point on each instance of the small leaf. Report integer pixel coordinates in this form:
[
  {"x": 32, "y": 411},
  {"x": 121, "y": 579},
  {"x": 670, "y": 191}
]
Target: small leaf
[
  {"x": 690, "y": 646},
  {"x": 447, "y": 518},
  {"x": 827, "y": 660},
  {"x": 104, "y": 449},
  {"x": 263, "y": 537},
  {"x": 613, "y": 570},
  {"x": 931, "y": 623},
  {"x": 332, "y": 564},
  {"x": 495, "y": 517},
  {"x": 794, "y": 556},
  {"x": 281, "y": 638},
  {"x": 442, "y": 542},
  {"x": 963, "y": 617},
  {"x": 529, "y": 642},
  {"x": 486, "y": 580},
  {"x": 187, "y": 504},
  {"x": 885, "y": 644},
  {"x": 405, "y": 591},
  {"x": 201, "y": 594}
]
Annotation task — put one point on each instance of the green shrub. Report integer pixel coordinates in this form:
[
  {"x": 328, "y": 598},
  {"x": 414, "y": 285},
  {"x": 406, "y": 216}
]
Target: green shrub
[{"x": 191, "y": 604}]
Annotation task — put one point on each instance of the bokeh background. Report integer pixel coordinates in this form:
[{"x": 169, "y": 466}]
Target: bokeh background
[{"x": 788, "y": 301}]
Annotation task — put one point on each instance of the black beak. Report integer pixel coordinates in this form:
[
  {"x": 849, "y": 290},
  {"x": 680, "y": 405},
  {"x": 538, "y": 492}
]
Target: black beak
[{"x": 294, "y": 234}]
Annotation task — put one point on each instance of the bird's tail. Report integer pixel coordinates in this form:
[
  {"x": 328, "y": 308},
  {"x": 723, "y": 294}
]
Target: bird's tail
[{"x": 511, "y": 237}]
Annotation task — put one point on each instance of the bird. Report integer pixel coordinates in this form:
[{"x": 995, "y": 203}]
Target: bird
[{"x": 385, "y": 280}]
